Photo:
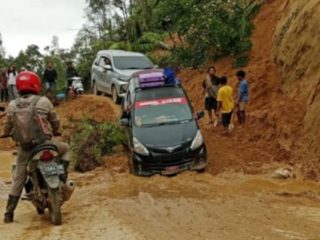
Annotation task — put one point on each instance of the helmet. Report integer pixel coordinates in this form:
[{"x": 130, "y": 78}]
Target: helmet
[{"x": 28, "y": 82}]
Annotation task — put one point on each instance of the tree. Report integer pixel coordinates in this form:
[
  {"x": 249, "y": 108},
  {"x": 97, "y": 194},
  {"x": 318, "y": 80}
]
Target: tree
[{"x": 55, "y": 45}]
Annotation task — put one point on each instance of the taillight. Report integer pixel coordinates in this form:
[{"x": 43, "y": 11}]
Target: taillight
[{"x": 46, "y": 156}]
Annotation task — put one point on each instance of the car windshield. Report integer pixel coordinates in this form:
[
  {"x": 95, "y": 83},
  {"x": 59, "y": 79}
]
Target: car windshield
[
  {"x": 161, "y": 106},
  {"x": 132, "y": 62}
]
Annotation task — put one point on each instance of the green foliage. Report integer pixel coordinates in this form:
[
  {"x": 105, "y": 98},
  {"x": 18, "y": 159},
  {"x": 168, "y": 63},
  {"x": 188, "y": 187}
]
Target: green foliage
[
  {"x": 241, "y": 61},
  {"x": 92, "y": 141}
]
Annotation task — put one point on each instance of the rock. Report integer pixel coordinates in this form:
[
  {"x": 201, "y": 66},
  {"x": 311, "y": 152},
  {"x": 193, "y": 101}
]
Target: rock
[{"x": 283, "y": 173}]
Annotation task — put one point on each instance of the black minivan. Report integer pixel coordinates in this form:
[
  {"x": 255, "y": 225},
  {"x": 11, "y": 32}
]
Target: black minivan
[{"x": 163, "y": 132}]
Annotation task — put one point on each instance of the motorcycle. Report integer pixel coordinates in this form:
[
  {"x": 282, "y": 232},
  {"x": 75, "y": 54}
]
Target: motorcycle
[
  {"x": 44, "y": 186},
  {"x": 76, "y": 86}
]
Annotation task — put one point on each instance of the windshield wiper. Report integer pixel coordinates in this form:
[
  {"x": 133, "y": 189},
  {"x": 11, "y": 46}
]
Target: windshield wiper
[{"x": 131, "y": 68}]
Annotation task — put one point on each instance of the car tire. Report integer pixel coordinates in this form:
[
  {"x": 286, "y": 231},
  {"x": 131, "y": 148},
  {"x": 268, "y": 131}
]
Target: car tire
[{"x": 115, "y": 98}]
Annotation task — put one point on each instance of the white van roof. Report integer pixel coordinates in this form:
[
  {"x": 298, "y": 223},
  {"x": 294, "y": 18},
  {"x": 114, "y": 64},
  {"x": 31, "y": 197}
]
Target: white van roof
[{"x": 118, "y": 53}]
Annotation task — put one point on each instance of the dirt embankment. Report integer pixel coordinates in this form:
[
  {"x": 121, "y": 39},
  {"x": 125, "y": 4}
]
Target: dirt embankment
[
  {"x": 275, "y": 128},
  {"x": 296, "y": 52}
]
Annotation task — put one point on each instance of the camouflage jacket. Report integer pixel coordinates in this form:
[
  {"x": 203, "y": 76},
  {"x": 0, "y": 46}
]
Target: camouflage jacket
[{"x": 45, "y": 110}]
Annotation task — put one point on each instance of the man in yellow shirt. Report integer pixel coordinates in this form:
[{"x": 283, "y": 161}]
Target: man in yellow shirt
[{"x": 225, "y": 102}]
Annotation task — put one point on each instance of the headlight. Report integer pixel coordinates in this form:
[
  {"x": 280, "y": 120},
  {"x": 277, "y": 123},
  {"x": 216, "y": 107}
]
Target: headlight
[
  {"x": 197, "y": 141},
  {"x": 139, "y": 148},
  {"x": 123, "y": 78}
]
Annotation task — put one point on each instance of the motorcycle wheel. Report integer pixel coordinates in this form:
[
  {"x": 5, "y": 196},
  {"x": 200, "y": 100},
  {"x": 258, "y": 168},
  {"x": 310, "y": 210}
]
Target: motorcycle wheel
[{"x": 54, "y": 206}]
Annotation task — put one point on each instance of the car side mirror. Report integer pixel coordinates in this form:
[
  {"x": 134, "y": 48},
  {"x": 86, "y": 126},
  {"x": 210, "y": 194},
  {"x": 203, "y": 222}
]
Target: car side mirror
[
  {"x": 124, "y": 122},
  {"x": 107, "y": 67},
  {"x": 200, "y": 115}
]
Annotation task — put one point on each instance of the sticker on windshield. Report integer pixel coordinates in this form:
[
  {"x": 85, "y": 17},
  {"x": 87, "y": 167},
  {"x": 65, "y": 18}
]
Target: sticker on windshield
[{"x": 162, "y": 101}]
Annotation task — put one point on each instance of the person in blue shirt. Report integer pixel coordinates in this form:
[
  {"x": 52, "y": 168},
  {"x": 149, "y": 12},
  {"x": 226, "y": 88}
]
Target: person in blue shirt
[{"x": 243, "y": 96}]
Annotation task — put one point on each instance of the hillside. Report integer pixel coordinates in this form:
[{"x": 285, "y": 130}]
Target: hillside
[{"x": 280, "y": 127}]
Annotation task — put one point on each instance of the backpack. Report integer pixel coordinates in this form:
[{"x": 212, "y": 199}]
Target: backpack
[{"x": 27, "y": 129}]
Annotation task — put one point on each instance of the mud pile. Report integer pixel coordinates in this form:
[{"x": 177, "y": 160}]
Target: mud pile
[
  {"x": 97, "y": 108},
  {"x": 86, "y": 107}
]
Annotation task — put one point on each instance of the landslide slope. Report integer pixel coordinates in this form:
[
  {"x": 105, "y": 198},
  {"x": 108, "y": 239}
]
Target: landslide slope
[
  {"x": 280, "y": 127},
  {"x": 296, "y": 52}
]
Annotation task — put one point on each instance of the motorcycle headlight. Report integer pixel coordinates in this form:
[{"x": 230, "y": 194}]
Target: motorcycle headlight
[
  {"x": 139, "y": 148},
  {"x": 197, "y": 141}
]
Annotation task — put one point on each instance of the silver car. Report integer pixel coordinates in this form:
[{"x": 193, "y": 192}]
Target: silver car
[{"x": 112, "y": 69}]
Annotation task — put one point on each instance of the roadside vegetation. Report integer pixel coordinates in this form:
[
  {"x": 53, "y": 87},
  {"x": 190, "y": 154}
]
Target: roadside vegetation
[
  {"x": 92, "y": 141},
  {"x": 182, "y": 33}
]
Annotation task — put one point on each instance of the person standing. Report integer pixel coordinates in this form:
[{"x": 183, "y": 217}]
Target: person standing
[
  {"x": 210, "y": 87},
  {"x": 50, "y": 76},
  {"x": 3, "y": 86},
  {"x": 225, "y": 103},
  {"x": 12, "y": 89},
  {"x": 243, "y": 96}
]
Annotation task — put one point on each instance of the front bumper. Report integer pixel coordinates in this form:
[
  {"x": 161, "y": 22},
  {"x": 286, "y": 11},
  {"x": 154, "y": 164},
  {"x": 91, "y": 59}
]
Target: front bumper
[{"x": 170, "y": 163}]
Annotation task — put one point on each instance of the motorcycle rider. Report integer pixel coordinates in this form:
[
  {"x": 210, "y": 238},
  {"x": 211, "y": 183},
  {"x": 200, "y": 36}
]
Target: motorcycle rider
[{"x": 29, "y": 86}]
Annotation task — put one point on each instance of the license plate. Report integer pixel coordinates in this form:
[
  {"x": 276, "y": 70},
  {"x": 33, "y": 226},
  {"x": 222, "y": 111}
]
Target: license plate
[
  {"x": 171, "y": 170},
  {"x": 51, "y": 168}
]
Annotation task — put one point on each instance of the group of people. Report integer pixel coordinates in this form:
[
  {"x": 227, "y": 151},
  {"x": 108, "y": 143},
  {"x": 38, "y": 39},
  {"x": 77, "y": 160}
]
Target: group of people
[
  {"x": 220, "y": 99},
  {"x": 8, "y": 89}
]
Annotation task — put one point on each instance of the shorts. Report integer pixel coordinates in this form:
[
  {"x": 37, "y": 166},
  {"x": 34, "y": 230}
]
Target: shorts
[
  {"x": 210, "y": 103},
  {"x": 226, "y": 119},
  {"x": 51, "y": 86},
  {"x": 242, "y": 106}
]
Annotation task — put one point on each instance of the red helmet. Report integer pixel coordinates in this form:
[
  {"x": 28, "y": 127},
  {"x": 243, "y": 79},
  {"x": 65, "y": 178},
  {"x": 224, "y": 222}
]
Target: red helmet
[{"x": 28, "y": 82}]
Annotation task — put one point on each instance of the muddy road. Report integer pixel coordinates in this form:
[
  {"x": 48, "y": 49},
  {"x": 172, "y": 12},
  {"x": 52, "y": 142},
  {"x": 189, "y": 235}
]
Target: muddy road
[{"x": 108, "y": 204}]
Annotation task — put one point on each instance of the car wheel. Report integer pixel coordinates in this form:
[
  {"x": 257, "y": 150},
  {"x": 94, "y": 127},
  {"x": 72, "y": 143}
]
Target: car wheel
[{"x": 115, "y": 97}]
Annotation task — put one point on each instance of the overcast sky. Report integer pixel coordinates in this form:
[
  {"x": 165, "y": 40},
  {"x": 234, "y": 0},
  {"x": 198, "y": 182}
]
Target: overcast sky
[{"x": 25, "y": 22}]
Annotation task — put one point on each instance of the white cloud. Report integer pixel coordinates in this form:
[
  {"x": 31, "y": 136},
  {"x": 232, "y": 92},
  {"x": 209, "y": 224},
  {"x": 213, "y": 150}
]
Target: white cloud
[{"x": 25, "y": 22}]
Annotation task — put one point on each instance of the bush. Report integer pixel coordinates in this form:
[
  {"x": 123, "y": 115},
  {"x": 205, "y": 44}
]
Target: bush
[{"x": 92, "y": 141}]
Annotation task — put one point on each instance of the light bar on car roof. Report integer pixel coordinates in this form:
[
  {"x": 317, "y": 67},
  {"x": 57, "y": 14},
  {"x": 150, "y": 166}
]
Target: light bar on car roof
[{"x": 153, "y": 79}]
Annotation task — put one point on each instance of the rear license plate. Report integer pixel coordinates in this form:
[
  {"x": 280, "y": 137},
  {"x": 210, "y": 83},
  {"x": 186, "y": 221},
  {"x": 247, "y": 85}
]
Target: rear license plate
[
  {"x": 171, "y": 170},
  {"x": 51, "y": 168}
]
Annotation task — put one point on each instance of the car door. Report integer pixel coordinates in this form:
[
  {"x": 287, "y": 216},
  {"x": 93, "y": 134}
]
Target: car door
[{"x": 106, "y": 74}]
